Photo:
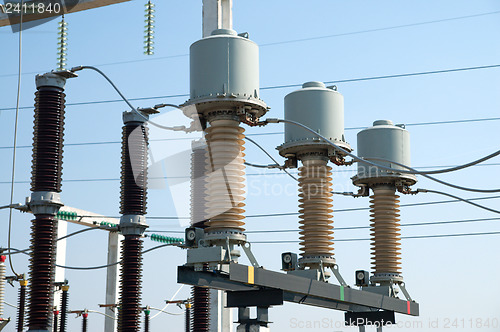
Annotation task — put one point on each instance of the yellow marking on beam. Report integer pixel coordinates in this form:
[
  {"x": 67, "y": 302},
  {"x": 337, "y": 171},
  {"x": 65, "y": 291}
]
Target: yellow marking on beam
[{"x": 251, "y": 275}]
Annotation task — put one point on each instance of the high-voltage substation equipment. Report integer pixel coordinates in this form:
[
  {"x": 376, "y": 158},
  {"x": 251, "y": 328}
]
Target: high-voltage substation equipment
[
  {"x": 133, "y": 203},
  {"x": 389, "y": 142},
  {"x": 224, "y": 92},
  {"x": 321, "y": 109},
  {"x": 200, "y": 320},
  {"x": 45, "y": 199}
]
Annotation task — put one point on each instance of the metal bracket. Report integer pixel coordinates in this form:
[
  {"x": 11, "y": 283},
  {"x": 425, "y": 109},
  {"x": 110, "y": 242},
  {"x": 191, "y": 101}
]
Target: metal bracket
[
  {"x": 247, "y": 248},
  {"x": 405, "y": 292},
  {"x": 336, "y": 272},
  {"x": 228, "y": 248},
  {"x": 322, "y": 271}
]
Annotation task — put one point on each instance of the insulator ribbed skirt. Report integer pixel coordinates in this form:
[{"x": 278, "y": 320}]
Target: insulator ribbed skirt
[
  {"x": 84, "y": 323},
  {"x": 146, "y": 322},
  {"x": 198, "y": 183},
  {"x": 21, "y": 303},
  {"x": 2, "y": 286},
  {"x": 225, "y": 176},
  {"x": 315, "y": 209},
  {"x": 201, "y": 309},
  {"x": 385, "y": 231},
  {"x": 48, "y": 140},
  {"x": 42, "y": 272},
  {"x": 130, "y": 284},
  {"x": 134, "y": 169},
  {"x": 64, "y": 310},
  {"x": 54, "y": 325}
]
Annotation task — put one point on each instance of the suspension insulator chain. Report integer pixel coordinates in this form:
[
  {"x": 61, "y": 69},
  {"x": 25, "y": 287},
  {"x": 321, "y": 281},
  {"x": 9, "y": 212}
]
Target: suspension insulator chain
[
  {"x": 385, "y": 231},
  {"x": 62, "y": 37},
  {"x": 149, "y": 29}
]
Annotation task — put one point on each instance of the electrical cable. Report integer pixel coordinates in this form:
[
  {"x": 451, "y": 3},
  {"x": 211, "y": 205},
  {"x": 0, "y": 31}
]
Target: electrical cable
[
  {"x": 261, "y": 166},
  {"x": 167, "y": 304},
  {"x": 339, "y": 210},
  {"x": 286, "y": 241},
  {"x": 101, "y": 313},
  {"x": 432, "y": 223},
  {"x": 166, "y": 312},
  {"x": 425, "y": 174},
  {"x": 179, "y": 128},
  {"x": 459, "y": 198},
  {"x": 271, "y": 157},
  {"x": 270, "y": 133},
  {"x": 16, "y": 121},
  {"x": 78, "y": 232},
  {"x": 410, "y": 171},
  {"x": 378, "y": 29},
  {"x": 451, "y": 169},
  {"x": 297, "y": 213},
  {"x": 17, "y": 251},
  {"x": 289, "y": 85},
  {"x": 403, "y": 237},
  {"x": 11, "y": 305},
  {"x": 115, "y": 263},
  {"x": 186, "y": 177}
]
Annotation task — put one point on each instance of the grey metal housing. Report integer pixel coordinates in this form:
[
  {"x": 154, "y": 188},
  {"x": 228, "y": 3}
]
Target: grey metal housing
[
  {"x": 225, "y": 67},
  {"x": 319, "y": 108},
  {"x": 383, "y": 141}
]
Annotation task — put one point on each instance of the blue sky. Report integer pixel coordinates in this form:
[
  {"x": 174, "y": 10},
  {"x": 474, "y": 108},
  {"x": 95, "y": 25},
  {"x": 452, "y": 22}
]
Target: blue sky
[{"x": 451, "y": 278}]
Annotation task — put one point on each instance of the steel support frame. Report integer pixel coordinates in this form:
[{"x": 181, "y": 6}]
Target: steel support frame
[{"x": 295, "y": 289}]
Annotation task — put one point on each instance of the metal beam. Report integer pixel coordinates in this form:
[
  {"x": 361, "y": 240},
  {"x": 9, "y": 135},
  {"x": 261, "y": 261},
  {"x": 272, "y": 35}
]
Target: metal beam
[
  {"x": 87, "y": 218},
  {"x": 297, "y": 289},
  {"x": 112, "y": 273},
  {"x": 217, "y": 14},
  {"x": 81, "y": 5}
]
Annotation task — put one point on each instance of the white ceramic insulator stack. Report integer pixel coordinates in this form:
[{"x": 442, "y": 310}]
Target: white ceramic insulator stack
[
  {"x": 385, "y": 231},
  {"x": 315, "y": 209},
  {"x": 225, "y": 176}
]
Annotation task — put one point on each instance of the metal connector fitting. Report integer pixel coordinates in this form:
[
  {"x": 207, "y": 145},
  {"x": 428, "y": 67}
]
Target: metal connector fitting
[
  {"x": 130, "y": 116},
  {"x": 133, "y": 224},
  {"x": 44, "y": 202},
  {"x": 56, "y": 78}
]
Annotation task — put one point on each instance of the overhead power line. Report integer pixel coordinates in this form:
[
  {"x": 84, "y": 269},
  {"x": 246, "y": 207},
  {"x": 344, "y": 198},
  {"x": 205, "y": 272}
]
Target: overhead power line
[
  {"x": 378, "y": 29},
  {"x": 284, "y": 214},
  {"x": 394, "y": 27},
  {"x": 361, "y": 79},
  {"x": 432, "y": 223},
  {"x": 403, "y": 238},
  {"x": 248, "y": 174},
  {"x": 263, "y": 134}
]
